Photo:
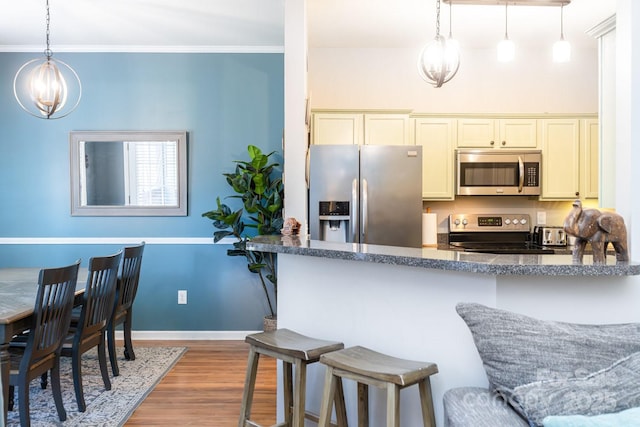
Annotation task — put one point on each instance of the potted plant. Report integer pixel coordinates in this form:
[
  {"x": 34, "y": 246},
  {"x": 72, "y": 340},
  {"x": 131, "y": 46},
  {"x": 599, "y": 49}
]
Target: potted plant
[{"x": 257, "y": 183}]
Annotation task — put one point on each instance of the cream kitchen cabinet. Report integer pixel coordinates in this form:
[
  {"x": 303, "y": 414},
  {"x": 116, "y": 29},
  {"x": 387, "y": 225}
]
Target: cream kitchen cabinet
[
  {"x": 570, "y": 158},
  {"x": 337, "y": 128},
  {"x": 589, "y": 159},
  {"x": 387, "y": 129},
  {"x": 361, "y": 128},
  {"x": 436, "y": 136},
  {"x": 560, "y": 159},
  {"x": 508, "y": 133}
]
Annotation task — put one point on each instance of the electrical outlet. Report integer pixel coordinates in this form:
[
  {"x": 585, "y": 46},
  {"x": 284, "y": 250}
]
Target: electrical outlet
[
  {"x": 182, "y": 297},
  {"x": 542, "y": 218}
]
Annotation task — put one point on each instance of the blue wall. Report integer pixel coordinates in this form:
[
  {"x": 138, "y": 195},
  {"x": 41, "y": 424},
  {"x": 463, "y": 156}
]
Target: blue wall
[{"x": 224, "y": 101}]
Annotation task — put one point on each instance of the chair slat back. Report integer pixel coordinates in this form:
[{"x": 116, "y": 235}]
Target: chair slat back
[
  {"x": 129, "y": 276},
  {"x": 52, "y": 312},
  {"x": 99, "y": 294}
]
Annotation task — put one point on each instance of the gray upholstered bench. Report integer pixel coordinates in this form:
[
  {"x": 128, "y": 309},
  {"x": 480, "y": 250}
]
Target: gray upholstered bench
[
  {"x": 478, "y": 407},
  {"x": 550, "y": 373}
]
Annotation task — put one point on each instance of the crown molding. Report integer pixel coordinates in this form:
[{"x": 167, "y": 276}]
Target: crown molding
[
  {"x": 603, "y": 27},
  {"x": 142, "y": 49}
]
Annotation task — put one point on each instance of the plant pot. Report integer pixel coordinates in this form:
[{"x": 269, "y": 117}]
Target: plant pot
[{"x": 270, "y": 323}]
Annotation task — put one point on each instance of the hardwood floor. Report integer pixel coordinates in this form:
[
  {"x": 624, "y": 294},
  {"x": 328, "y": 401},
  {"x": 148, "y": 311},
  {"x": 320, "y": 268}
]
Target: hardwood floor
[{"x": 205, "y": 387}]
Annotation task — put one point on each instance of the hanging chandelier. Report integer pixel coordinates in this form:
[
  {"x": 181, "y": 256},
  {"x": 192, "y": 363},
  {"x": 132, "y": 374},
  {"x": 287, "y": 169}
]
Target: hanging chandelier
[
  {"x": 440, "y": 59},
  {"x": 47, "y": 88}
]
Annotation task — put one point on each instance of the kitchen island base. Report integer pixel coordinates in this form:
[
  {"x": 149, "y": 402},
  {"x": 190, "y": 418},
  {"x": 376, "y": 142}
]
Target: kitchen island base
[{"x": 409, "y": 312}]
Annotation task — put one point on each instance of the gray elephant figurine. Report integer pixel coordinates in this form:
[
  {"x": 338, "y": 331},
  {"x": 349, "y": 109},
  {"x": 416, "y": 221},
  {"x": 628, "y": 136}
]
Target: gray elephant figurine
[{"x": 591, "y": 225}]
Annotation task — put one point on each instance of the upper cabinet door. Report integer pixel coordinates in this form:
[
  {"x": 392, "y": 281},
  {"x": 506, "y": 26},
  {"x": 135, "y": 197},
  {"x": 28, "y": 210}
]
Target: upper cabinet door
[
  {"x": 498, "y": 133},
  {"x": 386, "y": 129},
  {"x": 518, "y": 133},
  {"x": 560, "y": 159},
  {"x": 590, "y": 159},
  {"x": 477, "y": 133},
  {"x": 338, "y": 128},
  {"x": 437, "y": 137}
]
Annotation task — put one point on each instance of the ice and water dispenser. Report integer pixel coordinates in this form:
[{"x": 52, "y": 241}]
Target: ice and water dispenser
[{"x": 333, "y": 221}]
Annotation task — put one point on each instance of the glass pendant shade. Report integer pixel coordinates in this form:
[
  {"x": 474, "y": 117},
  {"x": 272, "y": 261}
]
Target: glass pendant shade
[
  {"x": 561, "y": 51},
  {"x": 506, "y": 50},
  {"x": 47, "y": 88},
  {"x": 561, "y": 48}
]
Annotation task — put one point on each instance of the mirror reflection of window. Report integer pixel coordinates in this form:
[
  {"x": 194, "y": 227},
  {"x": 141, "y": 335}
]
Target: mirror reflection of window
[
  {"x": 128, "y": 173},
  {"x": 152, "y": 178}
]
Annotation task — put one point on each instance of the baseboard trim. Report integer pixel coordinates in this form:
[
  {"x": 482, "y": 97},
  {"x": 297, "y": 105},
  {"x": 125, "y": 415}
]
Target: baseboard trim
[{"x": 187, "y": 335}]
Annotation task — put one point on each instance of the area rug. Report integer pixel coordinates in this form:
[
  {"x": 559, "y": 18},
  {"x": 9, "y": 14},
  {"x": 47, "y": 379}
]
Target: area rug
[{"x": 104, "y": 408}]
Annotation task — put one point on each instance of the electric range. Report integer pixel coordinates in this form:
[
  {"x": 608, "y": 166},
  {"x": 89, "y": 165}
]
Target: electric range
[{"x": 493, "y": 233}]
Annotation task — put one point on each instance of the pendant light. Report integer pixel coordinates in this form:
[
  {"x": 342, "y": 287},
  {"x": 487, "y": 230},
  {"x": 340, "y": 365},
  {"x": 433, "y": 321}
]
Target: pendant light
[
  {"x": 561, "y": 48},
  {"x": 440, "y": 59},
  {"x": 47, "y": 88},
  {"x": 506, "y": 48},
  {"x": 454, "y": 46}
]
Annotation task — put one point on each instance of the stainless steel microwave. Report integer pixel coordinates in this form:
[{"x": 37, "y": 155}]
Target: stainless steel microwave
[{"x": 496, "y": 172}]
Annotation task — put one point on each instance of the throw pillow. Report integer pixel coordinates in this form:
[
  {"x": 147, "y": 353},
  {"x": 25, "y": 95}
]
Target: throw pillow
[
  {"x": 609, "y": 390},
  {"x": 517, "y": 349},
  {"x": 627, "y": 418}
]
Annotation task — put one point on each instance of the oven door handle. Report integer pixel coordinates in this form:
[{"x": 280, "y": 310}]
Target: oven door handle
[{"x": 521, "y": 175}]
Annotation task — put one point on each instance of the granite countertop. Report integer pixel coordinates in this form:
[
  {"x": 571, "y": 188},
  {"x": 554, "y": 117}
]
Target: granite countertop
[{"x": 442, "y": 259}]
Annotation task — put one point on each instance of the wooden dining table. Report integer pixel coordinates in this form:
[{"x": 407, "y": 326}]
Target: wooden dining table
[{"x": 18, "y": 290}]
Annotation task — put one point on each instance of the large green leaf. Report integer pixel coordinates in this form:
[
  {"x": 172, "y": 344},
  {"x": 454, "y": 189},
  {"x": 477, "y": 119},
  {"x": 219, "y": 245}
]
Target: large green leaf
[{"x": 259, "y": 183}]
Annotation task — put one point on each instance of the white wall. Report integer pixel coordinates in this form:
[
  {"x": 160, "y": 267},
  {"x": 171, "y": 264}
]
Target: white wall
[{"x": 388, "y": 79}]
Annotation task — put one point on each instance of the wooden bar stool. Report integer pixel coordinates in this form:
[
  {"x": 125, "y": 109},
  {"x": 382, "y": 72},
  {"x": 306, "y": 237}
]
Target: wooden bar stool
[
  {"x": 294, "y": 350},
  {"x": 368, "y": 367}
]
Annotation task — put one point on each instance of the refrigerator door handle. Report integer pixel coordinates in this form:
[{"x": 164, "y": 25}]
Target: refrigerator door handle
[
  {"x": 354, "y": 210},
  {"x": 365, "y": 207}
]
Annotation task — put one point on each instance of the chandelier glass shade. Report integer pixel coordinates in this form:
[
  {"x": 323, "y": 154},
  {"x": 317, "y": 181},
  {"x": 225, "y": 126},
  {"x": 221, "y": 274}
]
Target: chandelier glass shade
[
  {"x": 47, "y": 88},
  {"x": 440, "y": 59}
]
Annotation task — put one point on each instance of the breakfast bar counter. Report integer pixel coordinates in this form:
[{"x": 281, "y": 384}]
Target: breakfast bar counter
[
  {"x": 401, "y": 301},
  {"x": 439, "y": 259}
]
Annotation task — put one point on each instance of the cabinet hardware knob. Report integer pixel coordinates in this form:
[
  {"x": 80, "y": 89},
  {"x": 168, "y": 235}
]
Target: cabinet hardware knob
[
  {"x": 492, "y": 142},
  {"x": 577, "y": 193},
  {"x": 504, "y": 142}
]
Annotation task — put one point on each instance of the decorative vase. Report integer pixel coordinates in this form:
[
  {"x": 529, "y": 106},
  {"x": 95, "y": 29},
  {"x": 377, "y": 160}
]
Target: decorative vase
[{"x": 270, "y": 323}]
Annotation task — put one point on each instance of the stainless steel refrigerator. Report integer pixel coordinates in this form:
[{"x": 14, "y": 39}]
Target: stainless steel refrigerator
[{"x": 366, "y": 194}]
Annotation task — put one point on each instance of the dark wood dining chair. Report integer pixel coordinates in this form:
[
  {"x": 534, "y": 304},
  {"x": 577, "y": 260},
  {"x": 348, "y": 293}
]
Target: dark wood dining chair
[
  {"x": 89, "y": 327},
  {"x": 41, "y": 352},
  {"x": 123, "y": 309}
]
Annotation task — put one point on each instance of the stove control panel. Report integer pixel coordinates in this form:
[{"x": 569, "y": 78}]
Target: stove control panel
[{"x": 489, "y": 222}]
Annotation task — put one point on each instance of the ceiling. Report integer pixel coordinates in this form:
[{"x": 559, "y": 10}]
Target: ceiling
[{"x": 255, "y": 25}]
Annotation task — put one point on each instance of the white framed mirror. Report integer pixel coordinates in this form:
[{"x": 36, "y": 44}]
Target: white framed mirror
[{"x": 128, "y": 173}]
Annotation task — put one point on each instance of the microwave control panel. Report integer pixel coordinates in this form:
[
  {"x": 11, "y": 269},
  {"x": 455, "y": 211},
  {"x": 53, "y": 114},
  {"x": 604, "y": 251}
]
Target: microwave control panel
[
  {"x": 489, "y": 222},
  {"x": 532, "y": 174}
]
